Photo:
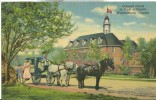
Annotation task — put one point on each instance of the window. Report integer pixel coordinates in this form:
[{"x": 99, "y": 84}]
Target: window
[
  {"x": 121, "y": 60},
  {"x": 113, "y": 59},
  {"x": 70, "y": 43},
  {"x": 83, "y": 42},
  {"x": 99, "y": 40},
  {"x": 83, "y": 51},
  {"x": 113, "y": 49},
  {"x": 76, "y": 43},
  {"x": 91, "y": 40},
  {"x": 121, "y": 51}
]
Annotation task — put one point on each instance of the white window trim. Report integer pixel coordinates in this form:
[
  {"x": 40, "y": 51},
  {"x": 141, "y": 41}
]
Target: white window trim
[
  {"x": 99, "y": 40},
  {"x": 76, "y": 43},
  {"x": 92, "y": 40},
  {"x": 83, "y": 42}
]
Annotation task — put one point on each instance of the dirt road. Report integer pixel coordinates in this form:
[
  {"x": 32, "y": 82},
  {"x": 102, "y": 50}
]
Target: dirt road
[{"x": 140, "y": 89}]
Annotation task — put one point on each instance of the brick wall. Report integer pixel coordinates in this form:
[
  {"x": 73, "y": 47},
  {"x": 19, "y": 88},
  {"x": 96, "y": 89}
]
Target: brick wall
[{"x": 114, "y": 52}]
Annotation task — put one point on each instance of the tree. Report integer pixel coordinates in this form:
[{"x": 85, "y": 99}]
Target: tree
[
  {"x": 31, "y": 25},
  {"x": 147, "y": 56},
  {"x": 75, "y": 55},
  {"x": 128, "y": 50},
  {"x": 58, "y": 55},
  {"x": 94, "y": 53},
  {"x": 152, "y": 49},
  {"x": 144, "y": 56}
]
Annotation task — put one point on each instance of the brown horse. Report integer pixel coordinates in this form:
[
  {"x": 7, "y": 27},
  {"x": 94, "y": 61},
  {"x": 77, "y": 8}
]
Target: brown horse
[{"x": 93, "y": 70}]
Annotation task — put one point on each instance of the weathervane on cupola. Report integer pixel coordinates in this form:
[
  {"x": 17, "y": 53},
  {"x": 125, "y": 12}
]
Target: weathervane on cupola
[{"x": 106, "y": 23}]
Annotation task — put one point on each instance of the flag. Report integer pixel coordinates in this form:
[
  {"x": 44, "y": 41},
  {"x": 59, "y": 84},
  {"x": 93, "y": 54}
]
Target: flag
[{"x": 109, "y": 10}]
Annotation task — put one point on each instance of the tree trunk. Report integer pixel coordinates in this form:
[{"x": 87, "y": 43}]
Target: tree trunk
[
  {"x": 5, "y": 71},
  {"x": 155, "y": 71},
  {"x": 151, "y": 72},
  {"x": 147, "y": 71}
]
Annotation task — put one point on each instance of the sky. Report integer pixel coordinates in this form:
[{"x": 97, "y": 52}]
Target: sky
[{"x": 89, "y": 17}]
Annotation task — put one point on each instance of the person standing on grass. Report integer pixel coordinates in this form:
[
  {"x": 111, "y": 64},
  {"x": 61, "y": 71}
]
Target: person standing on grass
[
  {"x": 26, "y": 74},
  {"x": 19, "y": 72}
]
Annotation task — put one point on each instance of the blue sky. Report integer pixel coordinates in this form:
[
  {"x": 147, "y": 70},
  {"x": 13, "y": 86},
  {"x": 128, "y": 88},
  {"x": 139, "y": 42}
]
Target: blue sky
[{"x": 89, "y": 17}]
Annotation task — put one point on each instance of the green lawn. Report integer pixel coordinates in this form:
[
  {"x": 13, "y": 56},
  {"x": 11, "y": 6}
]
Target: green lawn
[
  {"x": 127, "y": 77},
  {"x": 21, "y": 92}
]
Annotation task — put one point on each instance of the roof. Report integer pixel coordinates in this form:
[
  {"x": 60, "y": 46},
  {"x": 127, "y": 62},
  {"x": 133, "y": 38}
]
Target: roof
[
  {"x": 133, "y": 43},
  {"x": 106, "y": 40},
  {"x": 106, "y": 18}
]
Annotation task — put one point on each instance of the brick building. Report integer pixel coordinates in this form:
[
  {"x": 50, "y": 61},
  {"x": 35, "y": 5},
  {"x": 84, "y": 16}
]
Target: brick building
[{"x": 108, "y": 44}]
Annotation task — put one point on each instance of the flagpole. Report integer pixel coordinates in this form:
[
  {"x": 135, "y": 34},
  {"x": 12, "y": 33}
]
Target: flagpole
[{"x": 107, "y": 11}]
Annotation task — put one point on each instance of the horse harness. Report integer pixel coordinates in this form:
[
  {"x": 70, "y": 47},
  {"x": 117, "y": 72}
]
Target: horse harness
[{"x": 63, "y": 69}]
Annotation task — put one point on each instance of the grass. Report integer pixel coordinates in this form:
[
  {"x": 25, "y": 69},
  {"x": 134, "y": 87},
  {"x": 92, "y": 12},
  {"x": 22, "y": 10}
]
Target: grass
[
  {"x": 21, "y": 92},
  {"x": 127, "y": 77}
]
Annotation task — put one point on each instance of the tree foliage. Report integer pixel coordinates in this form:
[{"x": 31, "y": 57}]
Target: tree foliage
[
  {"x": 128, "y": 49},
  {"x": 94, "y": 53},
  {"x": 32, "y": 25},
  {"x": 58, "y": 55},
  {"x": 125, "y": 70},
  {"x": 147, "y": 56}
]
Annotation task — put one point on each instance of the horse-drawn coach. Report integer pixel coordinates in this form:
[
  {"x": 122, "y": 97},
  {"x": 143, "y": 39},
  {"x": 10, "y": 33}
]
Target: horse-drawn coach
[{"x": 50, "y": 71}]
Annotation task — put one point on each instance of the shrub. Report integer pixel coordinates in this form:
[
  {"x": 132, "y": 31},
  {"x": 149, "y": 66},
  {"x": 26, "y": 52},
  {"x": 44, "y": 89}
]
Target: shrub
[
  {"x": 137, "y": 74},
  {"x": 143, "y": 74},
  {"x": 125, "y": 70}
]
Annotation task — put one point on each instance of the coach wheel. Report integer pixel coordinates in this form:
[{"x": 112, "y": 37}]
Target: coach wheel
[{"x": 36, "y": 79}]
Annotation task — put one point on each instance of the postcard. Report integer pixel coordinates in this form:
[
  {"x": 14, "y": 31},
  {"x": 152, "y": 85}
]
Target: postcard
[{"x": 55, "y": 50}]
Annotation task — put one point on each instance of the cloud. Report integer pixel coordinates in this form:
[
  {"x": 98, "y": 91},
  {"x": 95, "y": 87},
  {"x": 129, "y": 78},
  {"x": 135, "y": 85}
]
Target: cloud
[
  {"x": 148, "y": 25},
  {"x": 152, "y": 26},
  {"x": 143, "y": 24},
  {"x": 134, "y": 35},
  {"x": 69, "y": 12},
  {"x": 89, "y": 20},
  {"x": 129, "y": 23},
  {"x": 103, "y": 10},
  {"x": 74, "y": 17},
  {"x": 86, "y": 29},
  {"x": 83, "y": 29}
]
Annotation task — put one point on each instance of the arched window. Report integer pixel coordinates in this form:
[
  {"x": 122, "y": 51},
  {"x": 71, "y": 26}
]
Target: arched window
[
  {"x": 99, "y": 40},
  {"x": 91, "y": 40},
  {"x": 70, "y": 43},
  {"x": 83, "y": 42},
  {"x": 76, "y": 43}
]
